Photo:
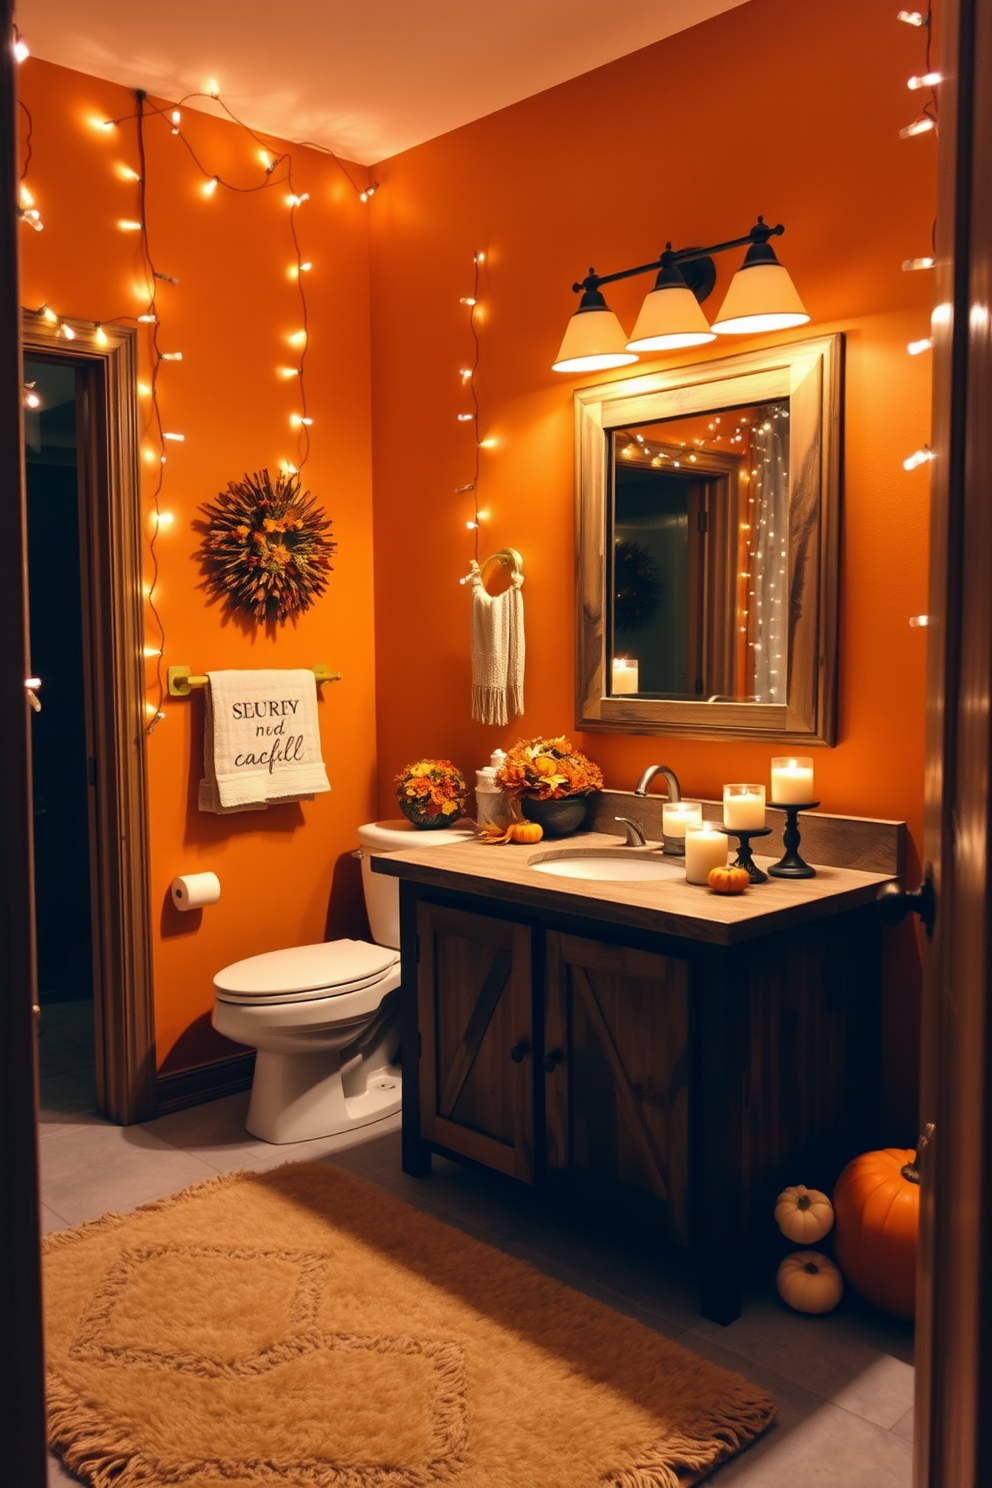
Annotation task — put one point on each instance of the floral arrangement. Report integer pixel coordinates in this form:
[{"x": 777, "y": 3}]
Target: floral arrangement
[
  {"x": 547, "y": 770},
  {"x": 431, "y": 793},
  {"x": 266, "y": 547}
]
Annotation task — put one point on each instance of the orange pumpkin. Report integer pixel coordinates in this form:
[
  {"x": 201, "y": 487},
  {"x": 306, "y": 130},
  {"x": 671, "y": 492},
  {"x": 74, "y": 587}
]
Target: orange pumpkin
[
  {"x": 876, "y": 1224},
  {"x": 728, "y": 880},
  {"x": 525, "y": 831}
]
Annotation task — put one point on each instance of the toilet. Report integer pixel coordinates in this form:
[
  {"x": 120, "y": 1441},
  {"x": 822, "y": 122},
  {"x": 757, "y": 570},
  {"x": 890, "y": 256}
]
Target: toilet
[{"x": 325, "y": 1018}]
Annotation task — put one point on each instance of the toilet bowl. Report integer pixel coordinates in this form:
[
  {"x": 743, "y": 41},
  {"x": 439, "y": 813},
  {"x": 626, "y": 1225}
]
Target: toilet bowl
[{"x": 325, "y": 1018}]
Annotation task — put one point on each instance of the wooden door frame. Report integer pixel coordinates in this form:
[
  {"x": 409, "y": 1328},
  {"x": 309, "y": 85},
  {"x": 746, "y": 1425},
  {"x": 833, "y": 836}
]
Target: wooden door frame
[
  {"x": 953, "y": 1433},
  {"x": 113, "y": 623}
]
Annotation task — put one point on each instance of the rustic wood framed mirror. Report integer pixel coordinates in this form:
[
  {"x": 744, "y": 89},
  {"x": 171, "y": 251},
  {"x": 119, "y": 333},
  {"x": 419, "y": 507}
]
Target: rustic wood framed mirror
[{"x": 708, "y": 547}]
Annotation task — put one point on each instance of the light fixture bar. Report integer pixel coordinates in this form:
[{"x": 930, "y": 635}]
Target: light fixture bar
[{"x": 760, "y": 233}]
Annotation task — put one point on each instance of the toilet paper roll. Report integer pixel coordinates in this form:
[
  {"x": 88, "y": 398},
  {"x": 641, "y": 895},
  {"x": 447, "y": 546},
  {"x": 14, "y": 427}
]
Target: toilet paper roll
[{"x": 193, "y": 890}]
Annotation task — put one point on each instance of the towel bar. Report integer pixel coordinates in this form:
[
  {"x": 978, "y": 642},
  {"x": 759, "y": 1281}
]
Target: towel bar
[{"x": 182, "y": 681}]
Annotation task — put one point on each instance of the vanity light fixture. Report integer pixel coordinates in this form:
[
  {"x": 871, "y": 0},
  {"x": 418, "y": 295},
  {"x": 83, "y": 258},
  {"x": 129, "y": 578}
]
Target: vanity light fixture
[{"x": 761, "y": 298}]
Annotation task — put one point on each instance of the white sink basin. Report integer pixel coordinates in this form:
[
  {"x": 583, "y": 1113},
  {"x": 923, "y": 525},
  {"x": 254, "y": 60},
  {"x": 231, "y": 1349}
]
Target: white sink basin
[{"x": 607, "y": 865}]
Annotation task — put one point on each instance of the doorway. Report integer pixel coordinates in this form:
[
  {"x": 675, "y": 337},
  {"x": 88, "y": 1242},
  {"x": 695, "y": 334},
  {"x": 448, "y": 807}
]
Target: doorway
[
  {"x": 59, "y": 755},
  {"x": 88, "y": 741}
]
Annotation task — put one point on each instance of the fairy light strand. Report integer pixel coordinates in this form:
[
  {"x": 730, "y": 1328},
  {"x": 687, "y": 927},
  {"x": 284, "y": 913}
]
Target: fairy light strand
[
  {"x": 156, "y": 413},
  {"x": 927, "y": 120},
  {"x": 468, "y": 376},
  {"x": 278, "y": 172}
]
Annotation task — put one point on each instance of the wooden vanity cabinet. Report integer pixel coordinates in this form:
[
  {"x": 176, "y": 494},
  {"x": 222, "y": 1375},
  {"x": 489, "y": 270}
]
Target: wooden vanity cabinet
[{"x": 690, "y": 1078}]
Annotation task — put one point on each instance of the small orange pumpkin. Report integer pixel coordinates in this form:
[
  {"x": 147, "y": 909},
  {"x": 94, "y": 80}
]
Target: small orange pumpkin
[
  {"x": 877, "y": 1220},
  {"x": 728, "y": 880},
  {"x": 525, "y": 831}
]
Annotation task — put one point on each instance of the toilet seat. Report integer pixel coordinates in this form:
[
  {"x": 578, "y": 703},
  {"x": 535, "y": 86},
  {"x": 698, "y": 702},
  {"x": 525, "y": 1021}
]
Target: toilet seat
[{"x": 322, "y": 972}]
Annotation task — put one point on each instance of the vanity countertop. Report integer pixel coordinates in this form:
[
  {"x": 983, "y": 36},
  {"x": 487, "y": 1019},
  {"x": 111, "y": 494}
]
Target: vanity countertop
[{"x": 670, "y": 907}]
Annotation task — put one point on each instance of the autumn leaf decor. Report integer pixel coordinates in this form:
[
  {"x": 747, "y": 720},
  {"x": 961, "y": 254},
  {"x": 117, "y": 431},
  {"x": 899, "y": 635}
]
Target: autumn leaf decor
[{"x": 267, "y": 547}]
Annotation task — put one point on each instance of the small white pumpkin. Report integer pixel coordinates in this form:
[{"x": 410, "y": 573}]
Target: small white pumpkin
[
  {"x": 809, "y": 1281},
  {"x": 803, "y": 1214}
]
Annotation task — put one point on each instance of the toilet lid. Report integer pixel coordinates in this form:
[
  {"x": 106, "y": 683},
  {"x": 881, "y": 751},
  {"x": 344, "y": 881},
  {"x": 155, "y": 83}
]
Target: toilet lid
[{"x": 302, "y": 972}]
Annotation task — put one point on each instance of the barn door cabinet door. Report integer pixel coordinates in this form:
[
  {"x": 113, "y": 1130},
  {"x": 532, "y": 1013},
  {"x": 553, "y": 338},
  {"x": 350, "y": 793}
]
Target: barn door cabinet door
[
  {"x": 617, "y": 1069},
  {"x": 477, "y": 1038}
]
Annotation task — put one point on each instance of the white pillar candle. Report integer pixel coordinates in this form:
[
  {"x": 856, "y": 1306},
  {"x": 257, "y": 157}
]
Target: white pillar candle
[
  {"x": 792, "y": 781},
  {"x": 705, "y": 849},
  {"x": 677, "y": 816},
  {"x": 744, "y": 807},
  {"x": 624, "y": 676}
]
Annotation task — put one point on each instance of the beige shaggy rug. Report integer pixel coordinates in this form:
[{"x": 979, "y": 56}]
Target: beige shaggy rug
[{"x": 302, "y": 1328}]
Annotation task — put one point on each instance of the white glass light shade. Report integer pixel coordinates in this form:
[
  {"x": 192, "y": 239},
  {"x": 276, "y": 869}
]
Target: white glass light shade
[
  {"x": 761, "y": 297},
  {"x": 670, "y": 317},
  {"x": 594, "y": 339}
]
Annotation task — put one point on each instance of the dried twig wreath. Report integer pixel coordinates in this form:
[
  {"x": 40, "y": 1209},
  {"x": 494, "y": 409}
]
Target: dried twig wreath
[{"x": 266, "y": 549}]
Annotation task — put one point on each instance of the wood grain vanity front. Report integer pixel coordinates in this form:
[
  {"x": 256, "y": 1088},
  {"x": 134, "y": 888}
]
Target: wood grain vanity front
[{"x": 653, "y": 1039}]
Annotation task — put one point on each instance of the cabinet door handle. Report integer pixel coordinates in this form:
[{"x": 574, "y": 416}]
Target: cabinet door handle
[
  {"x": 518, "y": 1051},
  {"x": 552, "y": 1059}
]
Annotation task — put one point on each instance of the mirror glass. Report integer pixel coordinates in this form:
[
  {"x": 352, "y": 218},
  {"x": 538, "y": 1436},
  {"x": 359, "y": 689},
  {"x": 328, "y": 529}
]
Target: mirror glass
[
  {"x": 700, "y": 530},
  {"x": 708, "y": 550}
]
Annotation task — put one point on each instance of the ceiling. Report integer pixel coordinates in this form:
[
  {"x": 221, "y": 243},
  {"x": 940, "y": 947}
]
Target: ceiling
[{"x": 366, "y": 78}]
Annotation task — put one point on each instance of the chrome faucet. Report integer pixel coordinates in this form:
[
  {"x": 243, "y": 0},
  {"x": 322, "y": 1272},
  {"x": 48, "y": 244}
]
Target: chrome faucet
[
  {"x": 674, "y": 791},
  {"x": 635, "y": 834}
]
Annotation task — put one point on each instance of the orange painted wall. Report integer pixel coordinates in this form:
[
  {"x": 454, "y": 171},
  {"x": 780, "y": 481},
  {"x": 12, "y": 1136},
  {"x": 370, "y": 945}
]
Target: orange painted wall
[
  {"x": 285, "y": 873},
  {"x": 785, "y": 108}
]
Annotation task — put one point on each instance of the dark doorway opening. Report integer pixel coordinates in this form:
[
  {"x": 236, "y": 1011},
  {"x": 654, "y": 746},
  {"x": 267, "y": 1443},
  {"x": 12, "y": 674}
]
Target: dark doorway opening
[{"x": 61, "y": 764}]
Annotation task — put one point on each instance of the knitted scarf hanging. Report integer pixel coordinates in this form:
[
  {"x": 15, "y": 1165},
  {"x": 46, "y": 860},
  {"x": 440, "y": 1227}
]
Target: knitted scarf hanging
[{"x": 497, "y": 650}]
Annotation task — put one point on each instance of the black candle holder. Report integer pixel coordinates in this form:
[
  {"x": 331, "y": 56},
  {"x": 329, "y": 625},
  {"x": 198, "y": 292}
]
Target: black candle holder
[
  {"x": 744, "y": 858},
  {"x": 791, "y": 865}
]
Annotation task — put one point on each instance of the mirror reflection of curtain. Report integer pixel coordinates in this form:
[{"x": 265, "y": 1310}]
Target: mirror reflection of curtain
[{"x": 768, "y": 612}]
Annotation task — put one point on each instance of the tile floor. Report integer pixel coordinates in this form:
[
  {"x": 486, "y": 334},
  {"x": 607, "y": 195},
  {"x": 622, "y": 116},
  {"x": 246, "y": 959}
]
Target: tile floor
[{"x": 843, "y": 1382}]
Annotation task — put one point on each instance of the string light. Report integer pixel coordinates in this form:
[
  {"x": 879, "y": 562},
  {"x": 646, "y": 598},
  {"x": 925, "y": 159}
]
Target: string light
[
  {"x": 925, "y": 80},
  {"x": 278, "y": 168},
  {"x": 915, "y": 347},
  {"x": 20, "y": 48},
  {"x": 467, "y": 376},
  {"x": 913, "y": 265},
  {"x": 917, "y": 458},
  {"x": 920, "y": 125},
  {"x": 31, "y": 399},
  {"x": 914, "y": 17}
]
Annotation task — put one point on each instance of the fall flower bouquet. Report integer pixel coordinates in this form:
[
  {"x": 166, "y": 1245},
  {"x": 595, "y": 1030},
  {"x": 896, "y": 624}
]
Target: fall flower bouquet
[
  {"x": 547, "y": 770},
  {"x": 431, "y": 793}
]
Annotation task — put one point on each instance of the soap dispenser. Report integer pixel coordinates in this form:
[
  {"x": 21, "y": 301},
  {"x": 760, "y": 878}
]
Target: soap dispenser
[{"x": 492, "y": 805}]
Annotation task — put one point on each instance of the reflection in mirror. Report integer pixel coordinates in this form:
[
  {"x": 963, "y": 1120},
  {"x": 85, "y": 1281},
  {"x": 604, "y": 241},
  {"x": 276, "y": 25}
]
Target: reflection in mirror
[{"x": 700, "y": 528}]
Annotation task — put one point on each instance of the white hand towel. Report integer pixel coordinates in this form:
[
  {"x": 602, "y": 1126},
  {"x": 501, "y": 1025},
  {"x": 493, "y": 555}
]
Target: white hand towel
[
  {"x": 261, "y": 740},
  {"x": 497, "y": 650}
]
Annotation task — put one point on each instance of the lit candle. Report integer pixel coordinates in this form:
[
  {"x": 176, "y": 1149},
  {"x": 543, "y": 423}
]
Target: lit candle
[
  {"x": 624, "y": 676},
  {"x": 705, "y": 849},
  {"x": 792, "y": 781},
  {"x": 677, "y": 816},
  {"x": 744, "y": 807}
]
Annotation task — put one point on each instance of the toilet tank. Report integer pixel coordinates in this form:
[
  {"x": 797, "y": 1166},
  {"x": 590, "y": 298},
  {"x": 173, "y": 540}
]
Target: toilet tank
[{"x": 382, "y": 891}]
